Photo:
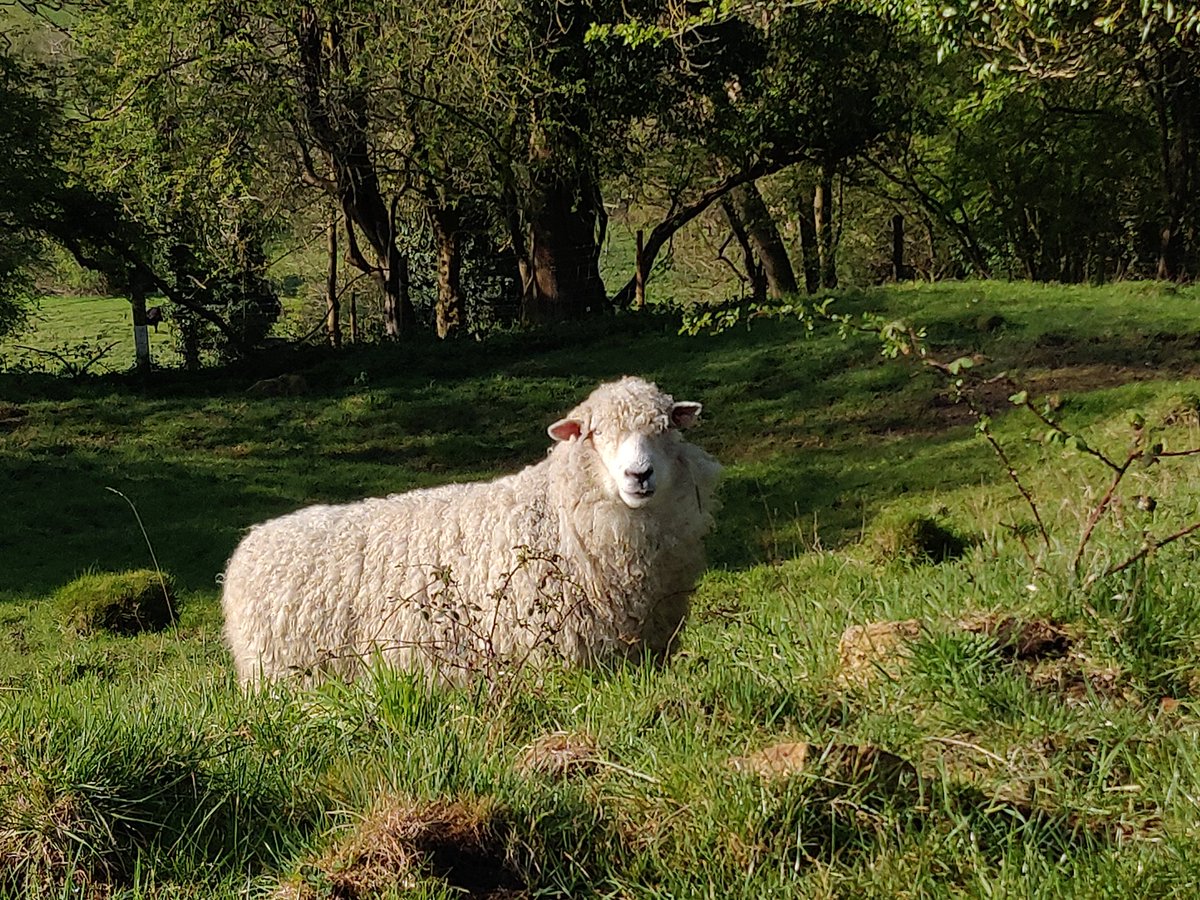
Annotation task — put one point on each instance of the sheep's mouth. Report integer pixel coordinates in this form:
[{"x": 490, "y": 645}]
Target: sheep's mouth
[{"x": 638, "y": 496}]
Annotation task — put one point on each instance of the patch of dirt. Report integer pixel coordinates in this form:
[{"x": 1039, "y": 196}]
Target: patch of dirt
[
  {"x": 1030, "y": 641},
  {"x": 945, "y": 410},
  {"x": 280, "y": 386},
  {"x": 1080, "y": 682},
  {"x": 861, "y": 766},
  {"x": 1184, "y": 410},
  {"x": 560, "y": 754},
  {"x": 1048, "y": 654},
  {"x": 11, "y": 416},
  {"x": 777, "y": 761},
  {"x": 398, "y": 844},
  {"x": 1158, "y": 353},
  {"x": 878, "y": 649}
]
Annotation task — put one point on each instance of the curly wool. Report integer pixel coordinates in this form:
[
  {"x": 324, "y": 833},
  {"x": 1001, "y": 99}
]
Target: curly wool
[{"x": 548, "y": 562}]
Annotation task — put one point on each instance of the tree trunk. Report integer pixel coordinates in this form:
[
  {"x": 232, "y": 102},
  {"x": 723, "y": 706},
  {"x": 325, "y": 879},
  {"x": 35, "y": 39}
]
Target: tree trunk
[
  {"x": 141, "y": 333},
  {"x": 764, "y": 238},
  {"x": 682, "y": 214},
  {"x": 806, "y": 227},
  {"x": 562, "y": 272},
  {"x": 340, "y": 131},
  {"x": 899, "y": 271},
  {"x": 639, "y": 271},
  {"x": 1174, "y": 91},
  {"x": 823, "y": 214},
  {"x": 333, "y": 318},
  {"x": 1181, "y": 181},
  {"x": 451, "y": 306},
  {"x": 755, "y": 273}
]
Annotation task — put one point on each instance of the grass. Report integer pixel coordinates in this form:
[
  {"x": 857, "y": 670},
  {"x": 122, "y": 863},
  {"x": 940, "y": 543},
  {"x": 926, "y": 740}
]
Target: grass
[
  {"x": 132, "y": 766},
  {"x": 67, "y": 332}
]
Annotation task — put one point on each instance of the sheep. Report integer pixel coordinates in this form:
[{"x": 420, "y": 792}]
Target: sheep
[
  {"x": 588, "y": 556},
  {"x": 280, "y": 386}
]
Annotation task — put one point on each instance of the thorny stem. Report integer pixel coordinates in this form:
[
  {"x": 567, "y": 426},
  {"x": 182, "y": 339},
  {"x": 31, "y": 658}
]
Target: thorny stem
[
  {"x": 1147, "y": 548},
  {"x": 1016, "y": 479},
  {"x": 1099, "y": 509},
  {"x": 1086, "y": 449}
]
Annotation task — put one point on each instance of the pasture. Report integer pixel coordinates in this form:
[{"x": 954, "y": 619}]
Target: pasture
[{"x": 1023, "y": 720}]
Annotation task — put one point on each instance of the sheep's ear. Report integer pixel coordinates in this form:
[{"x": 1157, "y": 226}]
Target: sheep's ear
[
  {"x": 565, "y": 429},
  {"x": 685, "y": 414}
]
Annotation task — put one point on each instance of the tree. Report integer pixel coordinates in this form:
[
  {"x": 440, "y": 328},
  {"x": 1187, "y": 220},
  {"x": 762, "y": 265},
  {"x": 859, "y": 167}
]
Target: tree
[
  {"x": 842, "y": 78},
  {"x": 1150, "y": 48},
  {"x": 44, "y": 197},
  {"x": 747, "y": 206},
  {"x": 24, "y": 145},
  {"x": 819, "y": 85},
  {"x": 333, "y": 114}
]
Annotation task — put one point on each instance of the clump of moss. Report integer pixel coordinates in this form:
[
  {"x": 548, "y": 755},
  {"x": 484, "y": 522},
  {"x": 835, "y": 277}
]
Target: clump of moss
[
  {"x": 123, "y": 603},
  {"x": 914, "y": 538}
]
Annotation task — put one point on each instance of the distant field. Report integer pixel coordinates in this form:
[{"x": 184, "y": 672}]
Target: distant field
[
  {"x": 1027, "y": 724},
  {"x": 76, "y": 329}
]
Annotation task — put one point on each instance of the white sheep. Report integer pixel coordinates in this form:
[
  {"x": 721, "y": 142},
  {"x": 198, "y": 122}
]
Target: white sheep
[{"x": 589, "y": 556}]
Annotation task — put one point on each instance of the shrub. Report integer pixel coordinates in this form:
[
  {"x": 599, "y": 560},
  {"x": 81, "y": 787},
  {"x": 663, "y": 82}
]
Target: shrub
[{"x": 122, "y": 603}]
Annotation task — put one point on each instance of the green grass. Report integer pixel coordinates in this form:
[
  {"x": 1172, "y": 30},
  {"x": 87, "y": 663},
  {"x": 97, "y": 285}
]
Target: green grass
[
  {"x": 135, "y": 766},
  {"x": 67, "y": 332}
]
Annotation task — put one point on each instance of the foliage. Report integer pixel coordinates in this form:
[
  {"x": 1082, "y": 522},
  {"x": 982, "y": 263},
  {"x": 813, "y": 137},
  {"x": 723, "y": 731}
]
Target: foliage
[
  {"x": 1107, "y": 47},
  {"x": 24, "y": 140}
]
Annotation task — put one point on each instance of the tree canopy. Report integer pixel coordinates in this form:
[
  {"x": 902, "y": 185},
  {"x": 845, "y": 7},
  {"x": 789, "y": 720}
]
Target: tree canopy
[{"x": 473, "y": 159}]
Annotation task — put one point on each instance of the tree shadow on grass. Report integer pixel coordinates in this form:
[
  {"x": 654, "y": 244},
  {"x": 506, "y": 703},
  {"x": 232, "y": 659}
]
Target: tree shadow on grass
[{"x": 816, "y": 434}]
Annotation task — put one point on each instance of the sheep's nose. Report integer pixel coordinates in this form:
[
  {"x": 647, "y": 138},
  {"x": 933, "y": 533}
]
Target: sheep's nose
[{"x": 640, "y": 475}]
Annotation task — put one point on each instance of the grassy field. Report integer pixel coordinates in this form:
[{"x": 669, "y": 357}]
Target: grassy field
[
  {"x": 1021, "y": 724},
  {"x": 67, "y": 332}
]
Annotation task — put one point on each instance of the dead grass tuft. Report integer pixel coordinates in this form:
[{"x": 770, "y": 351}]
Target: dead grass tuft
[
  {"x": 400, "y": 843},
  {"x": 560, "y": 754},
  {"x": 45, "y": 843},
  {"x": 1080, "y": 681},
  {"x": 1030, "y": 641},
  {"x": 11, "y": 416},
  {"x": 874, "y": 650},
  {"x": 858, "y": 766}
]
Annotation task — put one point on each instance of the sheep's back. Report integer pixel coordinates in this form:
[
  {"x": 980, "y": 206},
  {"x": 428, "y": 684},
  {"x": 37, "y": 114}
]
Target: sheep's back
[{"x": 323, "y": 587}]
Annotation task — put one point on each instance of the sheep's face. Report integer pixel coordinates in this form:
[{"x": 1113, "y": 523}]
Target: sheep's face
[{"x": 634, "y": 440}]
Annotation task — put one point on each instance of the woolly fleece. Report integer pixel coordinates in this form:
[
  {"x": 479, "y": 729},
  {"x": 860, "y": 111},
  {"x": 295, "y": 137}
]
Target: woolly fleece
[{"x": 548, "y": 562}]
